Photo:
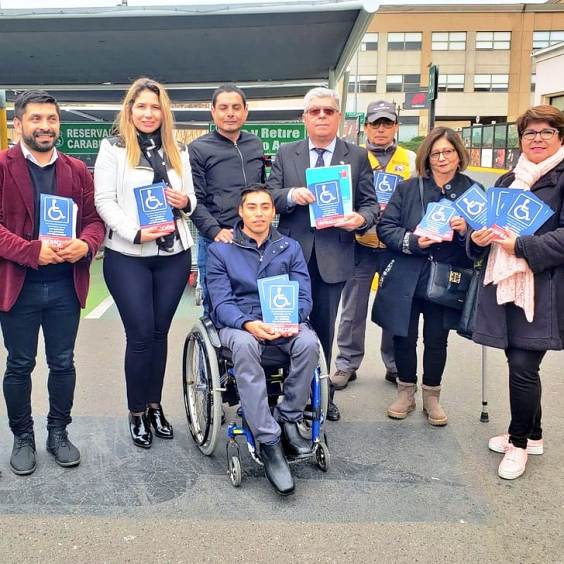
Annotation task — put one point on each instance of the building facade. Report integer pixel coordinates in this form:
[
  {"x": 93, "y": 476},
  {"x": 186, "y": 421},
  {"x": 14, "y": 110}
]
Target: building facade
[{"x": 484, "y": 55}]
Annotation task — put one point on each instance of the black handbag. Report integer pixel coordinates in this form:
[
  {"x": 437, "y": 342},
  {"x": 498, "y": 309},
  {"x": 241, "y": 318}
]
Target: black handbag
[
  {"x": 448, "y": 285},
  {"x": 468, "y": 315}
]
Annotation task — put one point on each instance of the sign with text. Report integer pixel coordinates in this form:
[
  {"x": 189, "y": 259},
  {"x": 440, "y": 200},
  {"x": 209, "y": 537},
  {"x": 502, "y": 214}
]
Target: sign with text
[
  {"x": 273, "y": 135},
  {"x": 78, "y": 139}
]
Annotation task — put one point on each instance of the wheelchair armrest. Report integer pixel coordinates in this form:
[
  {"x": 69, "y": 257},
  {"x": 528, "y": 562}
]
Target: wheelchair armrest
[{"x": 211, "y": 331}]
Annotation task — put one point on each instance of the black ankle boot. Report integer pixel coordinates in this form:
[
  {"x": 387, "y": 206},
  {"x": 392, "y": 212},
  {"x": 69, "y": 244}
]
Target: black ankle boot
[
  {"x": 276, "y": 468},
  {"x": 157, "y": 419},
  {"x": 140, "y": 430},
  {"x": 294, "y": 444}
]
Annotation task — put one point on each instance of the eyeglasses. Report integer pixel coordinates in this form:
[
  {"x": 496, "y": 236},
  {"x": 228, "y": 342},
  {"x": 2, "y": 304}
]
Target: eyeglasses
[
  {"x": 446, "y": 153},
  {"x": 545, "y": 134},
  {"x": 315, "y": 112},
  {"x": 385, "y": 123}
]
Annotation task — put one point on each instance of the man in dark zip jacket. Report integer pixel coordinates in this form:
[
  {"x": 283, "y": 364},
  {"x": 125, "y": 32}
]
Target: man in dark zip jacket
[
  {"x": 259, "y": 251},
  {"x": 223, "y": 162}
]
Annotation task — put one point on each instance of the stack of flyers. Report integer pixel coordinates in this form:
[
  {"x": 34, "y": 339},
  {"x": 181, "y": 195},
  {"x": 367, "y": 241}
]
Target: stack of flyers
[
  {"x": 57, "y": 219},
  {"x": 153, "y": 209},
  {"x": 385, "y": 185},
  {"x": 332, "y": 188},
  {"x": 473, "y": 207},
  {"x": 519, "y": 211},
  {"x": 279, "y": 302},
  {"x": 435, "y": 224}
]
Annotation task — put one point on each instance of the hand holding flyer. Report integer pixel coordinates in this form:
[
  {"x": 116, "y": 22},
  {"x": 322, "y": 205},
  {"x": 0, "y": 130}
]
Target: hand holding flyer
[
  {"x": 279, "y": 301},
  {"x": 435, "y": 224},
  {"x": 153, "y": 208},
  {"x": 57, "y": 219}
]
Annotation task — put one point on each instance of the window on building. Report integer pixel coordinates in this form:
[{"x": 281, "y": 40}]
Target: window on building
[
  {"x": 542, "y": 39},
  {"x": 493, "y": 40},
  {"x": 451, "y": 83},
  {"x": 404, "y": 41},
  {"x": 366, "y": 83},
  {"x": 533, "y": 82},
  {"x": 369, "y": 42},
  {"x": 403, "y": 82},
  {"x": 448, "y": 40},
  {"x": 491, "y": 82}
]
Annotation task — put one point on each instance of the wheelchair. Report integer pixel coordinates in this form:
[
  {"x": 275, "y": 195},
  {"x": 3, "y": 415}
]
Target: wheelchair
[{"x": 208, "y": 381}]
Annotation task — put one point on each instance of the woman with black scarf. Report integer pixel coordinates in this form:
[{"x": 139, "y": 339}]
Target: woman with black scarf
[{"x": 145, "y": 271}]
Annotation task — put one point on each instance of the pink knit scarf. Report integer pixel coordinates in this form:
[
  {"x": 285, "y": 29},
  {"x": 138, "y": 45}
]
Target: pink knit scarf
[{"x": 512, "y": 275}]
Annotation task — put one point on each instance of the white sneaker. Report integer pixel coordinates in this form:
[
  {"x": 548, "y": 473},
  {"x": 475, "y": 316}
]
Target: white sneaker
[
  {"x": 513, "y": 464},
  {"x": 500, "y": 443}
]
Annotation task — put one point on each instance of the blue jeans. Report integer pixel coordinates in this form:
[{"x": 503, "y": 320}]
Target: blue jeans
[
  {"x": 203, "y": 244},
  {"x": 54, "y": 307}
]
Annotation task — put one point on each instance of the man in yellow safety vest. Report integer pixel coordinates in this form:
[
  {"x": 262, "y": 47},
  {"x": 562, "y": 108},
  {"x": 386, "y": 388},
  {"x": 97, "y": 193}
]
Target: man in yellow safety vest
[{"x": 391, "y": 164}]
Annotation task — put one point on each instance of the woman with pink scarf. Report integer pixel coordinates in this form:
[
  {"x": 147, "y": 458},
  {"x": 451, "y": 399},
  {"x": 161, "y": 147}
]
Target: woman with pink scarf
[{"x": 521, "y": 304}]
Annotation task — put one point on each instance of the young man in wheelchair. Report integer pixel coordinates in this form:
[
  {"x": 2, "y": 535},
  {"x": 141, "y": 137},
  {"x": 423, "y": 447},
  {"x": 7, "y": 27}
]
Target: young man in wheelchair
[{"x": 259, "y": 251}]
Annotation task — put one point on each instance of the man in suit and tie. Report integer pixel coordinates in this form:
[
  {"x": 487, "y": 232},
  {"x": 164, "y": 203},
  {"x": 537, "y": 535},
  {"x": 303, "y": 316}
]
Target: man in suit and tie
[{"x": 329, "y": 252}]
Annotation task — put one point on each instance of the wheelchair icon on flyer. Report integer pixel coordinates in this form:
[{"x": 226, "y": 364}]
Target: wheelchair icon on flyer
[
  {"x": 150, "y": 202},
  {"x": 56, "y": 210},
  {"x": 524, "y": 210},
  {"x": 472, "y": 207},
  {"x": 327, "y": 193},
  {"x": 282, "y": 297}
]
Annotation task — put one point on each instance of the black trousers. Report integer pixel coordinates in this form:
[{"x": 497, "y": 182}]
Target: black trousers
[
  {"x": 524, "y": 395},
  {"x": 326, "y": 298},
  {"x": 435, "y": 338},
  {"x": 147, "y": 291}
]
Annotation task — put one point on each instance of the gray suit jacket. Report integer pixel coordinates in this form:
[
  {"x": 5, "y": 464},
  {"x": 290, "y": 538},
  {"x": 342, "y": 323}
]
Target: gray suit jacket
[{"x": 334, "y": 247}]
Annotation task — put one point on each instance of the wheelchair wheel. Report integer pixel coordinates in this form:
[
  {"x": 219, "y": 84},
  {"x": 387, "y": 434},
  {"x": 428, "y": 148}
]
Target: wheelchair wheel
[
  {"x": 324, "y": 374},
  {"x": 198, "y": 296},
  {"x": 201, "y": 386},
  {"x": 235, "y": 474},
  {"x": 322, "y": 457}
]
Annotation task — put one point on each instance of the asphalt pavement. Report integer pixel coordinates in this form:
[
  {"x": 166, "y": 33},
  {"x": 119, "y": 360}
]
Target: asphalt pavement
[{"x": 397, "y": 491}]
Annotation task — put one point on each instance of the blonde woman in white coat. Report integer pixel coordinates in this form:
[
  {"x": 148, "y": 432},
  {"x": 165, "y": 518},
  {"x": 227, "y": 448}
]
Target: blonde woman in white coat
[{"x": 145, "y": 271}]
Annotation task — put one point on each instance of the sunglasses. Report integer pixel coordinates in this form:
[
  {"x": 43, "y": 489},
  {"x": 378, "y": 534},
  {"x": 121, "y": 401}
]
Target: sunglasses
[
  {"x": 315, "y": 112},
  {"x": 385, "y": 123}
]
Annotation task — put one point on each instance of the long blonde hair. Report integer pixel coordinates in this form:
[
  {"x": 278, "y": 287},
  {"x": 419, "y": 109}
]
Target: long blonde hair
[{"x": 128, "y": 131}]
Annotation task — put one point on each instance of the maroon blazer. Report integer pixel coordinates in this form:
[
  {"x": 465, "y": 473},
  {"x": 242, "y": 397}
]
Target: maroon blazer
[{"x": 18, "y": 251}]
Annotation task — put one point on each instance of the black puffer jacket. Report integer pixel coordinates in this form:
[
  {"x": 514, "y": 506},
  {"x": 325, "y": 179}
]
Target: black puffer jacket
[
  {"x": 406, "y": 275},
  {"x": 502, "y": 326},
  {"x": 220, "y": 170}
]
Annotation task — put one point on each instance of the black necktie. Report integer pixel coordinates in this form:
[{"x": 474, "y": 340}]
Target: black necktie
[{"x": 319, "y": 162}]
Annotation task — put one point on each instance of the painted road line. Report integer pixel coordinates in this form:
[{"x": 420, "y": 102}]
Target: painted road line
[{"x": 101, "y": 308}]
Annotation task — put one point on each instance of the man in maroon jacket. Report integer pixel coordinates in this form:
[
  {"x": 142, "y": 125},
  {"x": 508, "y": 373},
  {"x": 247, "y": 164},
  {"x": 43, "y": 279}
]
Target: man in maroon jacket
[{"x": 40, "y": 285}]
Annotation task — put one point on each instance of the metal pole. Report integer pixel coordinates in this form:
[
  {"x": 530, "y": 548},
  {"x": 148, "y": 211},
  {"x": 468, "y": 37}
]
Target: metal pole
[
  {"x": 484, "y": 417},
  {"x": 3, "y": 121}
]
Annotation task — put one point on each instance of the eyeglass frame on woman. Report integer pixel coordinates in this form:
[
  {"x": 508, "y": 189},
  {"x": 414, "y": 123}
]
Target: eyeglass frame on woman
[
  {"x": 316, "y": 112},
  {"x": 446, "y": 153},
  {"x": 549, "y": 133}
]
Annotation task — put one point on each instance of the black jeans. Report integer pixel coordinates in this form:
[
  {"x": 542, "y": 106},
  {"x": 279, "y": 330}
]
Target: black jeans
[
  {"x": 54, "y": 307},
  {"x": 435, "y": 338},
  {"x": 524, "y": 395},
  {"x": 147, "y": 291}
]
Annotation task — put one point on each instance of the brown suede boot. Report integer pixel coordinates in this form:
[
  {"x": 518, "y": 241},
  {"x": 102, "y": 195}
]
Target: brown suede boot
[
  {"x": 432, "y": 407},
  {"x": 404, "y": 402}
]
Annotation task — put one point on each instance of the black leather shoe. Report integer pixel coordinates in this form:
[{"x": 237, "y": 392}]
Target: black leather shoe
[
  {"x": 333, "y": 413},
  {"x": 276, "y": 468},
  {"x": 294, "y": 444},
  {"x": 156, "y": 417},
  {"x": 60, "y": 446},
  {"x": 391, "y": 377},
  {"x": 22, "y": 461},
  {"x": 140, "y": 430}
]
